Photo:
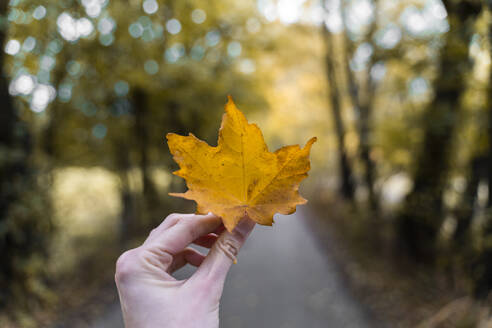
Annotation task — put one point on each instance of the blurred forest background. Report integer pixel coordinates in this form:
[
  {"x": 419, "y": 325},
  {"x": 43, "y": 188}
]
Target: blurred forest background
[{"x": 398, "y": 92}]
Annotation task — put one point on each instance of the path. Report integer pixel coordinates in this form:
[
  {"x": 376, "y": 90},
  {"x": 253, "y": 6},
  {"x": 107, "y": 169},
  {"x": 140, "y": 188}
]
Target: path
[{"x": 281, "y": 280}]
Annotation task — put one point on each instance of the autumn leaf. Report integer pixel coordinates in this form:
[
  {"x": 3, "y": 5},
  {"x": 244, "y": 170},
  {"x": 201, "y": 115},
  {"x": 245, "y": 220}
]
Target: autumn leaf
[{"x": 240, "y": 176}]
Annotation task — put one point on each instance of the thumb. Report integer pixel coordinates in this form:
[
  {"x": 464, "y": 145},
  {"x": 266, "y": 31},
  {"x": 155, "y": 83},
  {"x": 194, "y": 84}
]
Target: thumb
[{"x": 218, "y": 262}]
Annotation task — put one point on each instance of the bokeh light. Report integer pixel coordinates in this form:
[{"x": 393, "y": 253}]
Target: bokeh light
[
  {"x": 99, "y": 131},
  {"x": 39, "y": 12},
  {"x": 12, "y": 47},
  {"x": 389, "y": 36},
  {"x": 212, "y": 38},
  {"x": 42, "y": 95},
  {"x": 106, "y": 25},
  {"x": 234, "y": 49},
  {"x": 121, "y": 88},
  {"x": 198, "y": 16},
  {"x": 247, "y": 66},
  {"x": 151, "y": 67},
  {"x": 174, "y": 53},
  {"x": 173, "y": 26},
  {"x": 23, "y": 84},
  {"x": 136, "y": 30},
  {"x": 72, "y": 29},
  {"x": 29, "y": 44},
  {"x": 150, "y": 6}
]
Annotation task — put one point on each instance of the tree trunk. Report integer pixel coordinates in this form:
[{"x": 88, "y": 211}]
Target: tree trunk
[
  {"x": 421, "y": 217},
  {"x": 347, "y": 185},
  {"x": 466, "y": 209},
  {"x": 489, "y": 130},
  {"x": 482, "y": 266},
  {"x": 128, "y": 210},
  {"x": 24, "y": 233},
  {"x": 363, "y": 106},
  {"x": 8, "y": 168},
  {"x": 482, "y": 263},
  {"x": 365, "y": 150},
  {"x": 49, "y": 134},
  {"x": 141, "y": 121}
]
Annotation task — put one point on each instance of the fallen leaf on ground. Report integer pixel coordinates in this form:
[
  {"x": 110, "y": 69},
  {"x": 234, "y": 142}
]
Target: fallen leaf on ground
[{"x": 240, "y": 177}]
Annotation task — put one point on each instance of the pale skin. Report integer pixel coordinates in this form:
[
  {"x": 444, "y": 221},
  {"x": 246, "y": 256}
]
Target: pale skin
[{"x": 151, "y": 297}]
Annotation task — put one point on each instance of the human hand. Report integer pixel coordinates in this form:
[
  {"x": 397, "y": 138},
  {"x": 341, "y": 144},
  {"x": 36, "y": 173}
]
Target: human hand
[{"x": 149, "y": 295}]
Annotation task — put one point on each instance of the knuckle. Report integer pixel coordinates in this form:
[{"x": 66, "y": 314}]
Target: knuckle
[
  {"x": 126, "y": 265},
  {"x": 166, "y": 259},
  {"x": 185, "y": 219},
  {"x": 157, "y": 257},
  {"x": 173, "y": 219},
  {"x": 172, "y": 216},
  {"x": 229, "y": 246},
  {"x": 232, "y": 245}
]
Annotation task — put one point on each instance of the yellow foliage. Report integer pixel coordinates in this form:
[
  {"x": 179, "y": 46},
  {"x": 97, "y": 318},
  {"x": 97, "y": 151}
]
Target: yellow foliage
[{"x": 240, "y": 177}]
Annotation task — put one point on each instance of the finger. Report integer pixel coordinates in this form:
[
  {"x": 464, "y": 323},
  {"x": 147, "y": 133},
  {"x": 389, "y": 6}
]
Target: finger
[
  {"x": 188, "y": 255},
  {"x": 168, "y": 222},
  {"x": 187, "y": 229},
  {"x": 223, "y": 253},
  {"x": 206, "y": 241}
]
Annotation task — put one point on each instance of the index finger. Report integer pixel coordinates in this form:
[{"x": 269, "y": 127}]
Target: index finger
[{"x": 183, "y": 232}]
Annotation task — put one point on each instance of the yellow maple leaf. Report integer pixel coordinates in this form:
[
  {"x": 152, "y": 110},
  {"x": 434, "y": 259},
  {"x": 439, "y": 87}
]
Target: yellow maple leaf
[{"x": 240, "y": 176}]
